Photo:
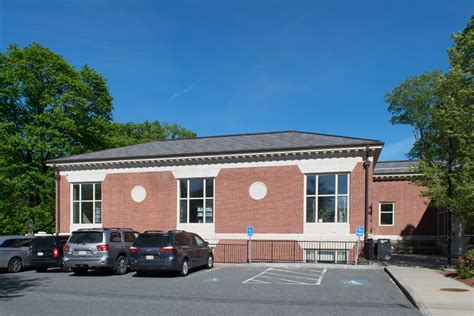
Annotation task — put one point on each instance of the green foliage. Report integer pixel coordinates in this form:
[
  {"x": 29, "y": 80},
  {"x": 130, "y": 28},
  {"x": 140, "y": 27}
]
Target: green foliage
[
  {"x": 412, "y": 103},
  {"x": 440, "y": 109},
  {"x": 49, "y": 109},
  {"x": 465, "y": 265},
  {"x": 123, "y": 134}
]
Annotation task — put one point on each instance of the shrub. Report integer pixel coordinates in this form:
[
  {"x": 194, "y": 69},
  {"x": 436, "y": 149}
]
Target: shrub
[{"x": 465, "y": 266}]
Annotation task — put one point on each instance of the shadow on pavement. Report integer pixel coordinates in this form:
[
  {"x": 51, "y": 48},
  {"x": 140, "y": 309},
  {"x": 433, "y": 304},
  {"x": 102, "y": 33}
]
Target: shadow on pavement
[
  {"x": 420, "y": 261},
  {"x": 13, "y": 285}
]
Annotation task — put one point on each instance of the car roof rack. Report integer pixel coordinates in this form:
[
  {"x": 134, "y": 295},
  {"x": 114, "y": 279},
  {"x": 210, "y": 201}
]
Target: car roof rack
[
  {"x": 176, "y": 231},
  {"x": 153, "y": 231},
  {"x": 88, "y": 229},
  {"x": 118, "y": 228}
]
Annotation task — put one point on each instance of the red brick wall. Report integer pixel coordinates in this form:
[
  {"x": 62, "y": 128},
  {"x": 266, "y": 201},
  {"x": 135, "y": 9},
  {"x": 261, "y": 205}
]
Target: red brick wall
[
  {"x": 281, "y": 211},
  {"x": 64, "y": 207},
  {"x": 357, "y": 196},
  {"x": 413, "y": 216},
  {"x": 157, "y": 211}
]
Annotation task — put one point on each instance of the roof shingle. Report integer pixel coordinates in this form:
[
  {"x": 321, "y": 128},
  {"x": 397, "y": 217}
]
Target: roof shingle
[{"x": 227, "y": 144}]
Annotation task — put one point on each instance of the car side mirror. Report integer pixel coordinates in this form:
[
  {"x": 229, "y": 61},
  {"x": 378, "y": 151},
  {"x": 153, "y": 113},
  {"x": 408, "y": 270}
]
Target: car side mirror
[{"x": 206, "y": 244}]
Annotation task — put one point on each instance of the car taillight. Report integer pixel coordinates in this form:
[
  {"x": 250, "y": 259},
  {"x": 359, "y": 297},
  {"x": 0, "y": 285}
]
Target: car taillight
[
  {"x": 55, "y": 252},
  {"x": 133, "y": 249},
  {"x": 66, "y": 248},
  {"x": 168, "y": 249},
  {"x": 103, "y": 247}
]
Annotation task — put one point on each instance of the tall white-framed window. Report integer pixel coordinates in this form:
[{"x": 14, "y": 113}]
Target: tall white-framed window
[
  {"x": 327, "y": 198},
  {"x": 386, "y": 214},
  {"x": 87, "y": 203},
  {"x": 196, "y": 200}
]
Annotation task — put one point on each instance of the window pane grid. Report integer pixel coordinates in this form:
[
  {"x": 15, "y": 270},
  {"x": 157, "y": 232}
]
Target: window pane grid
[
  {"x": 199, "y": 209},
  {"x": 328, "y": 206},
  {"x": 387, "y": 214},
  {"x": 87, "y": 211}
]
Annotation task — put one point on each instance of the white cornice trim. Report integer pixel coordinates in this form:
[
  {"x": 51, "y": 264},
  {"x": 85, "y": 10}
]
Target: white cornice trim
[
  {"x": 212, "y": 158},
  {"x": 396, "y": 176}
]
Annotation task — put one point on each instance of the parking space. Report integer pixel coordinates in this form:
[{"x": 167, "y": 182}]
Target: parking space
[
  {"x": 288, "y": 276},
  {"x": 223, "y": 290}
]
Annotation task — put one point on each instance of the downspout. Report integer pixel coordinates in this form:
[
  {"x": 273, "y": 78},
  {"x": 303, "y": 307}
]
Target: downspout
[
  {"x": 58, "y": 205},
  {"x": 366, "y": 215}
]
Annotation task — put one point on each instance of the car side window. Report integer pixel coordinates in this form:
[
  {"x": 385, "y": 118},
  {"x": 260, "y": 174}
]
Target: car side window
[
  {"x": 9, "y": 243},
  {"x": 199, "y": 241},
  {"x": 191, "y": 240},
  {"x": 115, "y": 237},
  {"x": 129, "y": 237},
  {"x": 179, "y": 240},
  {"x": 23, "y": 243}
]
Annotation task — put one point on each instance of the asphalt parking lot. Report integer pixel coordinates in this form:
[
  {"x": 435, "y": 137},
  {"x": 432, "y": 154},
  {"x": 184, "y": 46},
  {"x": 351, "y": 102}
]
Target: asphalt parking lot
[{"x": 223, "y": 290}]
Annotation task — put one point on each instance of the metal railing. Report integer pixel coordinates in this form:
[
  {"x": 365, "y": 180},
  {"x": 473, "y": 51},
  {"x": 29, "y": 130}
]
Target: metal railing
[{"x": 286, "y": 251}]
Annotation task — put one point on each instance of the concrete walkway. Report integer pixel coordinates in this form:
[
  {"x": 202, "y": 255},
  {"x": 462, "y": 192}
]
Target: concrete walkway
[{"x": 423, "y": 287}]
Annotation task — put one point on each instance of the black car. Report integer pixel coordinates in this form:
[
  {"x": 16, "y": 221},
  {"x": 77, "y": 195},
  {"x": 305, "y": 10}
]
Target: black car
[
  {"x": 47, "y": 252},
  {"x": 180, "y": 251}
]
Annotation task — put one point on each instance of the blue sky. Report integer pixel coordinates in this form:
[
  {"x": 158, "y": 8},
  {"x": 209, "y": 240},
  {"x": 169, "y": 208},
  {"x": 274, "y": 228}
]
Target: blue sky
[{"x": 223, "y": 67}]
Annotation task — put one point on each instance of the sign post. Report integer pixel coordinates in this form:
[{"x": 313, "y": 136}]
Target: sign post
[
  {"x": 359, "y": 233},
  {"x": 250, "y": 234}
]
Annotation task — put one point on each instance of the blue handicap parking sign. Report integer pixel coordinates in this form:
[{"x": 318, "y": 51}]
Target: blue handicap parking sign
[
  {"x": 360, "y": 231},
  {"x": 250, "y": 231}
]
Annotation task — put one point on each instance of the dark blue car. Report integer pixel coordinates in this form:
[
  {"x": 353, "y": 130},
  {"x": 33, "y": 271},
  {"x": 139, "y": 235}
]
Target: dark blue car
[{"x": 180, "y": 251}]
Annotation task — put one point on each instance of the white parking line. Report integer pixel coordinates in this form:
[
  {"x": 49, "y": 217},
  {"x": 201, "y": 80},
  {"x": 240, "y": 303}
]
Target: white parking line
[
  {"x": 198, "y": 273},
  {"x": 287, "y": 276},
  {"x": 290, "y": 271},
  {"x": 256, "y": 276},
  {"x": 292, "y": 276}
]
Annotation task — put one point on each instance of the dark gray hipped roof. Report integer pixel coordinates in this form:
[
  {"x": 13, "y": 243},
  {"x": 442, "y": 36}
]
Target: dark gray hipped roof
[
  {"x": 227, "y": 144},
  {"x": 396, "y": 167}
]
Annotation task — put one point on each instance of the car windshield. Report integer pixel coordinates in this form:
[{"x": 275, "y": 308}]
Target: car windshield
[
  {"x": 86, "y": 237},
  {"x": 43, "y": 242},
  {"x": 152, "y": 241}
]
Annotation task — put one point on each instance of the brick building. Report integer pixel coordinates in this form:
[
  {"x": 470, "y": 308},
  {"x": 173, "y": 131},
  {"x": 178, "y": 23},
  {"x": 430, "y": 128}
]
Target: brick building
[{"x": 288, "y": 185}]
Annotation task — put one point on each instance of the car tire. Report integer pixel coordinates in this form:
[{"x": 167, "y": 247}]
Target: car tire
[
  {"x": 79, "y": 271},
  {"x": 141, "y": 273},
  {"x": 14, "y": 265},
  {"x": 184, "y": 271},
  {"x": 41, "y": 269},
  {"x": 210, "y": 262},
  {"x": 121, "y": 265}
]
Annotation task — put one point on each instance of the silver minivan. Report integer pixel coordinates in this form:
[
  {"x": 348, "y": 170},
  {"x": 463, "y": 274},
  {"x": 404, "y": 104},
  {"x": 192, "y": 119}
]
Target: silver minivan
[
  {"x": 99, "y": 248},
  {"x": 14, "y": 252}
]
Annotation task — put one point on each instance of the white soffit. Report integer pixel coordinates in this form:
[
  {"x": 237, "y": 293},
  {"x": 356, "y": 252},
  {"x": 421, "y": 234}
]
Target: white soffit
[{"x": 328, "y": 165}]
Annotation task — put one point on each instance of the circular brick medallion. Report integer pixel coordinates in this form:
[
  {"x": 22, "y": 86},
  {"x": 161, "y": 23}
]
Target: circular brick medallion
[
  {"x": 258, "y": 190},
  {"x": 138, "y": 193}
]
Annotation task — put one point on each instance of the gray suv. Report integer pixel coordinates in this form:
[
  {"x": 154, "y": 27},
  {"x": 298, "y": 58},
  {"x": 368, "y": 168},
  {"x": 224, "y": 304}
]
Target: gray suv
[{"x": 99, "y": 248}]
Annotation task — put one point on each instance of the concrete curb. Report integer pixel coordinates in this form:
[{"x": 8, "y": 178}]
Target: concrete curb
[
  {"x": 409, "y": 293},
  {"x": 301, "y": 265}
]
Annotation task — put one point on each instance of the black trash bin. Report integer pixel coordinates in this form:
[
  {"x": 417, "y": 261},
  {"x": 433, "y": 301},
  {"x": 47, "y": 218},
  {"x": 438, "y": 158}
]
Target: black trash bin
[{"x": 384, "y": 249}]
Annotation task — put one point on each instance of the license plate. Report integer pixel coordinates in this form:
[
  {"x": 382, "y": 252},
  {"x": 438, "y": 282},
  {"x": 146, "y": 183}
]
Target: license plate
[
  {"x": 40, "y": 253},
  {"x": 149, "y": 257},
  {"x": 82, "y": 252}
]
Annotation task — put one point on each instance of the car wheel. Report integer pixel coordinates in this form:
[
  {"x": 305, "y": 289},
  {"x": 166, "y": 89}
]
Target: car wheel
[
  {"x": 41, "y": 269},
  {"x": 210, "y": 262},
  {"x": 141, "y": 273},
  {"x": 121, "y": 265},
  {"x": 15, "y": 265},
  {"x": 184, "y": 268},
  {"x": 79, "y": 271}
]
